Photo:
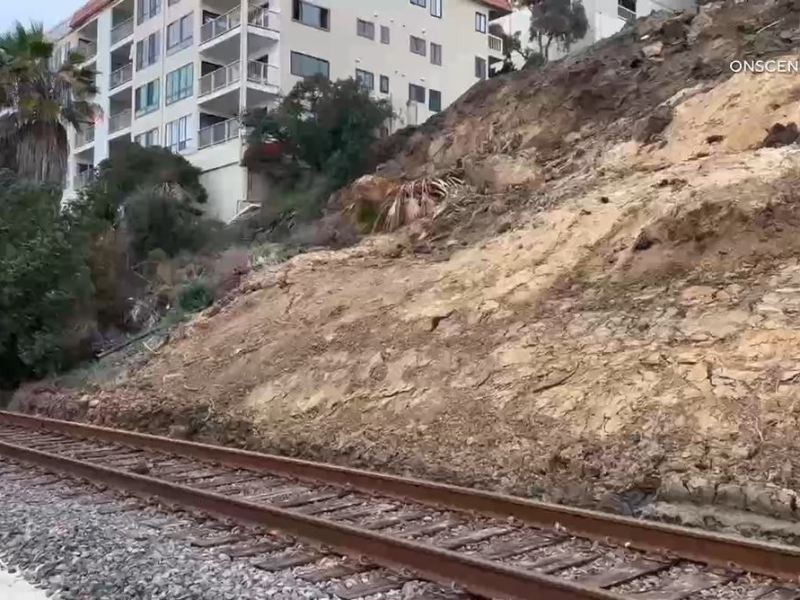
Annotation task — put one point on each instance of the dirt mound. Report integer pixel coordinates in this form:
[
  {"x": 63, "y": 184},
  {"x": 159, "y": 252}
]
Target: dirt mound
[{"x": 610, "y": 300}]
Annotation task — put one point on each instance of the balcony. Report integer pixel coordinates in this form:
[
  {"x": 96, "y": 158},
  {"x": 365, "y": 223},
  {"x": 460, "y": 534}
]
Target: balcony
[
  {"x": 121, "y": 31},
  {"x": 218, "y": 133},
  {"x": 86, "y": 49},
  {"x": 220, "y": 79},
  {"x": 84, "y": 136},
  {"x": 262, "y": 73},
  {"x": 121, "y": 76},
  {"x": 119, "y": 121},
  {"x": 495, "y": 43},
  {"x": 82, "y": 178},
  {"x": 213, "y": 29},
  {"x": 263, "y": 18}
]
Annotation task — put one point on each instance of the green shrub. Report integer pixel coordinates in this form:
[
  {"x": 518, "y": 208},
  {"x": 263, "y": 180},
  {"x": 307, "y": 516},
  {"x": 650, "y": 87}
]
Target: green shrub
[
  {"x": 195, "y": 297},
  {"x": 155, "y": 221},
  {"x": 326, "y": 125},
  {"x": 44, "y": 280}
]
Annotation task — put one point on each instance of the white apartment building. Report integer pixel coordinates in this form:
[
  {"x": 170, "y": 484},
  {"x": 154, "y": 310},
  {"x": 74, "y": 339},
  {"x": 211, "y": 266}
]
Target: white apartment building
[{"x": 179, "y": 73}]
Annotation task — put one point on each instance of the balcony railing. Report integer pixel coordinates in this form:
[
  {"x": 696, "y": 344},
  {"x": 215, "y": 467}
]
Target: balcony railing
[
  {"x": 626, "y": 14},
  {"x": 119, "y": 121},
  {"x": 495, "y": 43},
  {"x": 82, "y": 178},
  {"x": 219, "y": 79},
  {"x": 121, "y": 76},
  {"x": 86, "y": 49},
  {"x": 220, "y": 25},
  {"x": 218, "y": 133},
  {"x": 121, "y": 31},
  {"x": 259, "y": 72},
  {"x": 260, "y": 17},
  {"x": 84, "y": 135}
]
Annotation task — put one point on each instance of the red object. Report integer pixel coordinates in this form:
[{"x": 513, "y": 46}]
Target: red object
[
  {"x": 501, "y": 5},
  {"x": 87, "y": 11},
  {"x": 271, "y": 150}
]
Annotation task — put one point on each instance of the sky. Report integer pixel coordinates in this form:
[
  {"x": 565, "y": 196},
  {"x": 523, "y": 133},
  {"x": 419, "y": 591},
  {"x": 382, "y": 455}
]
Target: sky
[{"x": 49, "y": 12}]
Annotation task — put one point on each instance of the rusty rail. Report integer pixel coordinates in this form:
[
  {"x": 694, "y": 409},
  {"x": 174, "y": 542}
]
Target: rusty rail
[
  {"x": 443, "y": 566},
  {"x": 714, "y": 549}
]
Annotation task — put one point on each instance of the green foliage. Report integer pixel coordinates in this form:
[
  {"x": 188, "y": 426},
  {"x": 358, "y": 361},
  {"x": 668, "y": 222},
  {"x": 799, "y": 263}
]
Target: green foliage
[
  {"x": 326, "y": 125},
  {"x": 155, "y": 220},
  {"x": 44, "y": 279},
  {"x": 132, "y": 168},
  {"x": 37, "y": 103},
  {"x": 560, "y": 21},
  {"x": 195, "y": 297}
]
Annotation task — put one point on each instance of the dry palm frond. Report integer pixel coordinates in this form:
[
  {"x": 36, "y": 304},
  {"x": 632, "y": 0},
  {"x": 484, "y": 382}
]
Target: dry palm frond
[{"x": 416, "y": 200}]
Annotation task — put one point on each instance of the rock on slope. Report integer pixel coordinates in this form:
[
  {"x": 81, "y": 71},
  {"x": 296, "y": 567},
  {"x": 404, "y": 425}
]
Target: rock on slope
[{"x": 612, "y": 303}]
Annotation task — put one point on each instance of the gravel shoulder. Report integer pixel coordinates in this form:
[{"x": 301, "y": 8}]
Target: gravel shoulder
[{"x": 80, "y": 547}]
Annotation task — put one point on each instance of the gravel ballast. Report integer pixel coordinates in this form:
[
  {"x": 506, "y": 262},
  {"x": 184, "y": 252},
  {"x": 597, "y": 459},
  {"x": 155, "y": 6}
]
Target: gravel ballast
[{"x": 77, "y": 549}]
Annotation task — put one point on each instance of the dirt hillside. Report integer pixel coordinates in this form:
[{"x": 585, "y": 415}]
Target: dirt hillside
[{"x": 606, "y": 309}]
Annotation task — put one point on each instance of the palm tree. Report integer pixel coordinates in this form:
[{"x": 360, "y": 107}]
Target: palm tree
[{"x": 38, "y": 103}]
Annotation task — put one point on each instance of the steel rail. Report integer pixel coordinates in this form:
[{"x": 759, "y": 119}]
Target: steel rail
[
  {"x": 476, "y": 575},
  {"x": 764, "y": 558}
]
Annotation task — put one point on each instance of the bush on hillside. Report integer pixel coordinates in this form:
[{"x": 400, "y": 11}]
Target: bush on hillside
[
  {"x": 44, "y": 279},
  {"x": 328, "y": 126},
  {"x": 154, "y": 219}
]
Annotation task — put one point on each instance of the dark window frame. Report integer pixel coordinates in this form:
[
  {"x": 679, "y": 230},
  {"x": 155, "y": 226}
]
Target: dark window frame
[
  {"x": 436, "y": 8},
  {"x": 423, "y": 46},
  {"x": 384, "y": 89},
  {"x": 294, "y": 54},
  {"x": 414, "y": 97},
  {"x": 297, "y": 15},
  {"x": 481, "y": 22},
  {"x": 437, "y": 94},
  {"x": 365, "y": 29},
  {"x": 434, "y": 47}
]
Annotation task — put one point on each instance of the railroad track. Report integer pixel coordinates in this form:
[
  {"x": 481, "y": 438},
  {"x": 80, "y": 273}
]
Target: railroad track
[{"x": 483, "y": 543}]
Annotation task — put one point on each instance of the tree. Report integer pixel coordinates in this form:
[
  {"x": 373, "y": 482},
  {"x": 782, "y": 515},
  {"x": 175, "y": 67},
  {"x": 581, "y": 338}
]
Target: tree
[
  {"x": 44, "y": 279},
  {"x": 328, "y": 126},
  {"x": 38, "y": 103},
  {"x": 560, "y": 21},
  {"x": 135, "y": 168}
]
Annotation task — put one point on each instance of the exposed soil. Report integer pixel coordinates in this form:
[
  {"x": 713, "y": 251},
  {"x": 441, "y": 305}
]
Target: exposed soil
[{"x": 596, "y": 313}]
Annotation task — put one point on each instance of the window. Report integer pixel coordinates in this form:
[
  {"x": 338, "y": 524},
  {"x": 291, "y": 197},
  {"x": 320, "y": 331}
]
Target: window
[
  {"x": 147, "y": 98},
  {"x": 179, "y": 34},
  {"x": 436, "y": 8},
  {"x": 384, "y": 84},
  {"x": 416, "y": 93},
  {"x": 385, "y": 34},
  {"x": 365, "y": 29},
  {"x": 180, "y": 84},
  {"x": 311, "y": 15},
  {"x": 171, "y": 2},
  {"x": 366, "y": 79},
  {"x": 480, "y": 22},
  {"x": 418, "y": 3},
  {"x": 147, "y": 51},
  {"x": 480, "y": 67},
  {"x": 436, "y": 54},
  {"x": 304, "y": 65},
  {"x": 145, "y": 9},
  {"x": 148, "y": 138},
  {"x": 435, "y": 101},
  {"x": 418, "y": 46},
  {"x": 176, "y": 134}
]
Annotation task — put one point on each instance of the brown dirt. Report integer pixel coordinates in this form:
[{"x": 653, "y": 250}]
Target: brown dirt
[{"x": 629, "y": 314}]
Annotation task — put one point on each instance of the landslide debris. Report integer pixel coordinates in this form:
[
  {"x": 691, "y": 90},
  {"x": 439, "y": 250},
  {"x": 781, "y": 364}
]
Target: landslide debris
[{"x": 601, "y": 309}]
